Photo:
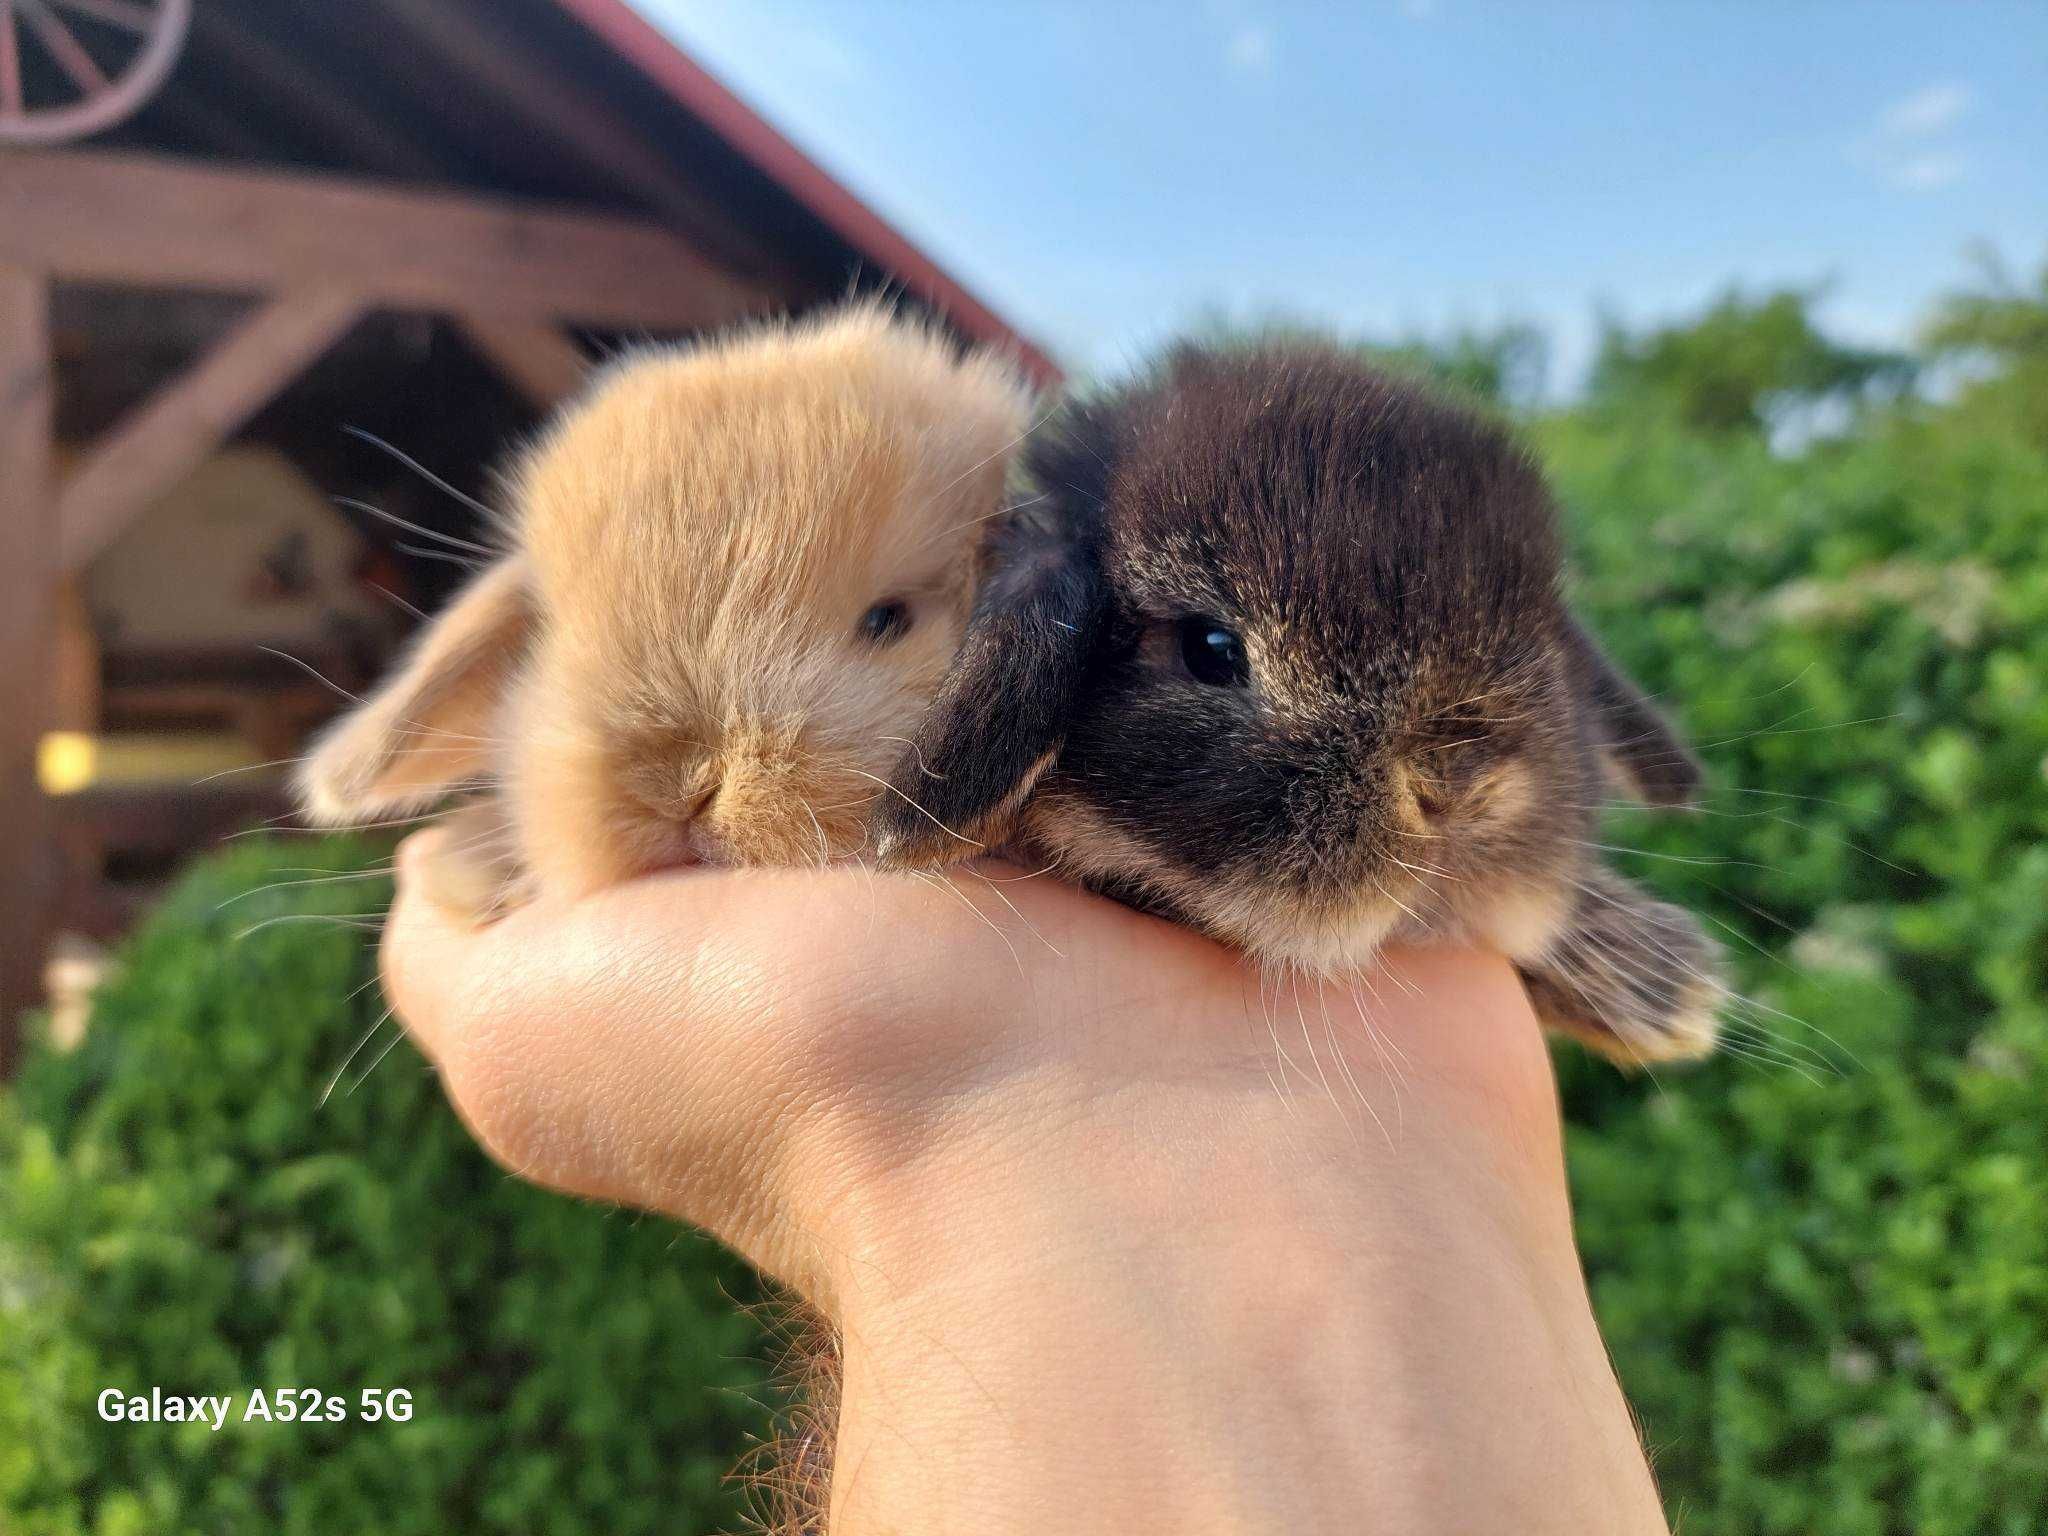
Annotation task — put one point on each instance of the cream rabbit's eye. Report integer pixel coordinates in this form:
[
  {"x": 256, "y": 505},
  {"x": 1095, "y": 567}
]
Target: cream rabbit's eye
[{"x": 885, "y": 622}]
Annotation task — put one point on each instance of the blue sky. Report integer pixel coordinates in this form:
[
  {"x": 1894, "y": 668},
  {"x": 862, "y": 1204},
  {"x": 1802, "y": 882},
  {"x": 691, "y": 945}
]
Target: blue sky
[{"x": 1104, "y": 173}]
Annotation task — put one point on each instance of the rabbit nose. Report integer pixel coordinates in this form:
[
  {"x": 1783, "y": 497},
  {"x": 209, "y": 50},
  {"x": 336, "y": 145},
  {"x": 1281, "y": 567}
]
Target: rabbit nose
[
  {"x": 777, "y": 804},
  {"x": 685, "y": 835},
  {"x": 1427, "y": 795},
  {"x": 698, "y": 844},
  {"x": 695, "y": 806},
  {"x": 696, "y": 829}
]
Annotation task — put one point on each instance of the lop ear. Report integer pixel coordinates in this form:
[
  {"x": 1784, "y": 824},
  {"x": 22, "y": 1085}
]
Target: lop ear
[
  {"x": 1638, "y": 746},
  {"x": 1000, "y": 717},
  {"x": 428, "y": 728}
]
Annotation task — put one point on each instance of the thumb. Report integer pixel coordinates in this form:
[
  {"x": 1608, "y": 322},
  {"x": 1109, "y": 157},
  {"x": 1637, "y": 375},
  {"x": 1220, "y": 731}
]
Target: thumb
[{"x": 630, "y": 1047}]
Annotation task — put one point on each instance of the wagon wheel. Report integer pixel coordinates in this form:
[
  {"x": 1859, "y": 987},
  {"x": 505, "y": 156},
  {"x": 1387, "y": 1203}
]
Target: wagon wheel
[{"x": 109, "y": 57}]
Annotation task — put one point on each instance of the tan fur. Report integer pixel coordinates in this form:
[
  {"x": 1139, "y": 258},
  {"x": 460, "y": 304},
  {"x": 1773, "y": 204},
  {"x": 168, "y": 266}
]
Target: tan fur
[
  {"x": 678, "y": 672},
  {"x": 426, "y": 728},
  {"x": 1522, "y": 923},
  {"x": 1326, "y": 941}
]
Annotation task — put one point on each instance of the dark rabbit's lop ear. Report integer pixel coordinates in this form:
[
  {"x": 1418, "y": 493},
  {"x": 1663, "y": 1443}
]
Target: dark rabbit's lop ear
[
  {"x": 1638, "y": 745},
  {"x": 429, "y": 727},
  {"x": 1000, "y": 717}
]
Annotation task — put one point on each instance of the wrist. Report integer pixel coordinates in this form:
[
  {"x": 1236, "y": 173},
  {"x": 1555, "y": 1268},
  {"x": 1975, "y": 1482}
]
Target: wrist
[
  {"x": 1213, "y": 1302},
  {"x": 1269, "y": 1357}
]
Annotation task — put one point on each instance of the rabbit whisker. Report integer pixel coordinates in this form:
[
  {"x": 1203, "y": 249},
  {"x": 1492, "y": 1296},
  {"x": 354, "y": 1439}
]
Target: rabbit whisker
[
  {"x": 285, "y": 885},
  {"x": 355, "y": 1051},
  {"x": 375, "y": 1061},
  {"x": 928, "y": 816},
  {"x": 449, "y": 539},
  {"x": 938, "y": 877},
  {"x": 489, "y": 514}
]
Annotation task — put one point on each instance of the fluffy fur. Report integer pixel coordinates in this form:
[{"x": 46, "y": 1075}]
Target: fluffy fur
[
  {"x": 1419, "y": 737},
  {"x": 736, "y": 573}
]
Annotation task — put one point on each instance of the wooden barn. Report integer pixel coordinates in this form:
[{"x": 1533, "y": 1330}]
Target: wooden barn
[{"x": 255, "y": 254}]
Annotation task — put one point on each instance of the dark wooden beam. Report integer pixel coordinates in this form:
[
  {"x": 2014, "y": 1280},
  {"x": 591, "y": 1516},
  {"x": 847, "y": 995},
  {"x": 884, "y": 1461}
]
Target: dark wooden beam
[
  {"x": 170, "y": 434},
  {"x": 486, "y": 45},
  {"x": 140, "y": 219},
  {"x": 28, "y": 593},
  {"x": 309, "y": 97},
  {"x": 538, "y": 360}
]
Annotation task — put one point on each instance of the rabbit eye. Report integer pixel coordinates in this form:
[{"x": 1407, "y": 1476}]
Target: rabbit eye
[
  {"x": 885, "y": 622},
  {"x": 1213, "y": 655}
]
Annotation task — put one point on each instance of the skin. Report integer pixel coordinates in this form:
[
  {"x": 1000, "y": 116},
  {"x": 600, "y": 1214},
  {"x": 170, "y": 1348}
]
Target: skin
[{"x": 1103, "y": 1260}]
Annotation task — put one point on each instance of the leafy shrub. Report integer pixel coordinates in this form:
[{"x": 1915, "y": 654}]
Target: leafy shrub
[
  {"x": 182, "y": 1206},
  {"x": 1822, "y": 1261}
]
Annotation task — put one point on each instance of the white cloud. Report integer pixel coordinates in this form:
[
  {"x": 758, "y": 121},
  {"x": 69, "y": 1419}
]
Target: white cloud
[
  {"x": 1912, "y": 147},
  {"x": 1929, "y": 110},
  {"x": 1250, "y": 51},
  {"x": 1928, "y": 172},
  {"x": 1418, "y": 10}
]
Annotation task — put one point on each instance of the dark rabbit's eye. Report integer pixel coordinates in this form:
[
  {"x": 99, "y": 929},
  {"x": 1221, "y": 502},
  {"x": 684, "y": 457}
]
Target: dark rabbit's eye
[
  {"x": 885, "y": 622},
  {"x": 1213, "y": 654}
]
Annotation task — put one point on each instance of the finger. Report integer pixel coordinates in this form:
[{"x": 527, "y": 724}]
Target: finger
[
  {"x": 641, "y": 1045},
  {"x": 426, "y": 949}
]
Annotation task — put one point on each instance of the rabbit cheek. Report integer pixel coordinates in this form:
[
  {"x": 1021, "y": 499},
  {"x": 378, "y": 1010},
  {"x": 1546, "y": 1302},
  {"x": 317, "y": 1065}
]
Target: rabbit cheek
[
  {"x": 1248, "y": 904},
  {"x": 578, "y": 829},
  {"x": 1522, "y": 923},
  {"x": 577, "y": 833}
]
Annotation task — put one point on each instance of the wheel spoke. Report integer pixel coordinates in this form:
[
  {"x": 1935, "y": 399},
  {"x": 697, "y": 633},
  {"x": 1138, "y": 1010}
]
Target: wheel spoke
[
  {"x": 63, "y": 47},
  {"x": 125, "y": 14},
  {"x": 10, "y": 63}
]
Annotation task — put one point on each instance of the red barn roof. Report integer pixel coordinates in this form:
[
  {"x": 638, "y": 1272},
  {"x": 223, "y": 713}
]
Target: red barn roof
[{"x": 702, "y": 94}]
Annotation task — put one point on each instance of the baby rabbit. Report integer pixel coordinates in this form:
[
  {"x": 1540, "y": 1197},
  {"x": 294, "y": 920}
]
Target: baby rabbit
[
  {"x": 735, "y": 574},
  {"x": 1280, "y": 652}
]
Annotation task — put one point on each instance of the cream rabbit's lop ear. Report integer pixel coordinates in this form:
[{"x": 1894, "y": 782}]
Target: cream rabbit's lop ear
[{"x": 429, "y": 727}]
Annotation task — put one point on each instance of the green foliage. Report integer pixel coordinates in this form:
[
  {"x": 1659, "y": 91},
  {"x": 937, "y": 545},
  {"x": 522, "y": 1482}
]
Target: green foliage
[
  {"x": 180, "y": 1208},
  {"x": 1503, "y": 366},
  {"x": 2000, "y": 317},
  {"x": 1821, "y": 1262},
  {"x": 2004, "y": 324},
  {"x": 1729, "y": 369}
]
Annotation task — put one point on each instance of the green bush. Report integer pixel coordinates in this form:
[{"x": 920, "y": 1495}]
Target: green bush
[
  {"x": 183, "y": 1205},
  {"x": 1822, "y": 1261}
]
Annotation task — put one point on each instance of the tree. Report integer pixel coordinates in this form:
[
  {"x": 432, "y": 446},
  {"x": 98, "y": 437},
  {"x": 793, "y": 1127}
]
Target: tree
[
  {"x": 1739, "y": 365},
  {"x": 1997, "y": 336}
]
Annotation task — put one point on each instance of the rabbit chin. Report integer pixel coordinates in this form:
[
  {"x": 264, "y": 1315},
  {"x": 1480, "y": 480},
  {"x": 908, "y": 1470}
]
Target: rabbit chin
[
  {"x": 1329, "y": 938},
  {"x": 1328, "y": 943},
  {"x": 1344, "y": 939},
  {"x": 1324, "y": 938}
]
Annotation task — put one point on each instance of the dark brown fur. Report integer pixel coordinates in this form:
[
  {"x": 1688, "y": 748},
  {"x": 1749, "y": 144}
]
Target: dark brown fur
[{"x": 1423, "y": 734}]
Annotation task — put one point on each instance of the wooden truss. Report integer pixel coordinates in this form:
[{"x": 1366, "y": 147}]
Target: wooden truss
[{"x": 319, "y": 253}]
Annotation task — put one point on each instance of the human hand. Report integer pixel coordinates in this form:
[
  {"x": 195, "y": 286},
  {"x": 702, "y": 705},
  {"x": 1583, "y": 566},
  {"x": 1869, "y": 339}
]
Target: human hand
[{"x": 1108, "y": 1221}]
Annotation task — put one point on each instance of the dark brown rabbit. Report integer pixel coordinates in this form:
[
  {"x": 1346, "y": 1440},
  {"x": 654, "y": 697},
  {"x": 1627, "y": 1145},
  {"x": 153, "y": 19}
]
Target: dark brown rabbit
[{"x": 1279, "y": 650}]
